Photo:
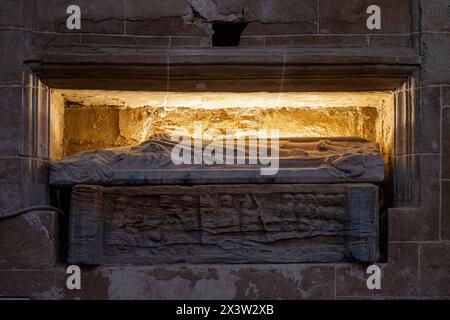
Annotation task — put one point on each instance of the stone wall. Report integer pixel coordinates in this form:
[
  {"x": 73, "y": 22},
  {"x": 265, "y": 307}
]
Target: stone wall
[
  {"x": 90, "y": 128},
  {"x": 419, "y": 224}
]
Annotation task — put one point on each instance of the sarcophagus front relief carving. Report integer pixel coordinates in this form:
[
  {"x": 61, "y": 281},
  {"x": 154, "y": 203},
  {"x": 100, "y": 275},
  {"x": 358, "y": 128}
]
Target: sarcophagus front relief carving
[{"x": 224, "y": 224}]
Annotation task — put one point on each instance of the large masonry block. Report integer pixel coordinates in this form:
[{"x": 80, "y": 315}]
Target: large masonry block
[
  {"x": 446, "y": 96},
  {"x": 271, "y": 17},
  {"x": 435, "y": 269},
  {"x": 435, "y": 15},
  {"x": 28, "y": 241},
  {"x": 24, "y": 182},
  {"x": 255, "y": 281},
  {"x": 97, "y": 16},
  {"x": 445, "y": 211},
  {"x": 446, "y": 143},
  {"x": 435, "y": 53},
  {"x": 413, "y": 224},
  {"x": 349, "y": 16},
  {"x": 177, "y": 18},
  {"x": 430, "y": 119},
  {"x": 399, "y": 276},
  {"x": 224, "y": 224},
  {"x": 10, "y": 120},
  {"x": 16, "y": 14},
  {"x": 12, "y": 43},
  {"x": 11, "y": 185},
  {"x": 34, "y": 284},
  {"x": 429, "y": 192}
]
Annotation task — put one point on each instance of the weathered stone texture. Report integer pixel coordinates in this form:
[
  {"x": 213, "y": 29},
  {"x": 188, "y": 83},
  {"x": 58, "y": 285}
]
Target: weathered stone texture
[
  {"x": 186, "y": 42},
  {"x": 23, "y": 182},
  {"x": 35, "y": 105},
  {"x": 35, "y": 182},
  {"x": 435, "y": 269},
  {"x": 445, "y": 211},
  {"x": 56, "y": 125},
  {"x": 165, "y": 18},
  {"x": 446, "y": 143},
  {"x": 212, "y": 282},
  {"x": 408, "y": 117},
  {"x": 11, "y": 120},
  {"x": 446, "y": 96},
  {"x": 407, "y": 224},
  {"x": 407, "y": 171},
  {"x": 435, "y": 15},
  {"x": 328, "y": 160},
  {"x": 95, "y": 127},
  {"x": 122, "y": 41},
  {"x": 435, "y": 53},
  {"x": 430, "y": 193},
  {"x": 12, "y": 43},
  {"x": 316, "y": 41},
  {"x": 271, "y": 17},
  {"x": 419, "y": 223},
  {"x": 96, "y": 16},
  {"x": 94, "y": 284},
  {"x": 28, "y": 241},
  {"x": 16, "y": 14},
  {"x": 349, "y": 16},
  {"x": 11, "y": 186},
  {"x": 48, "y": 41},
  {"x": 194, "y": 17},
  {"x": 29, "y": 284},
  {"x": 399, "y": 276},
  {"x": 218, "y": 224},
  {"x": 220, "y": 73},
  {"x": 381, "y": 40},
  {"x": 430, "y": 119}
]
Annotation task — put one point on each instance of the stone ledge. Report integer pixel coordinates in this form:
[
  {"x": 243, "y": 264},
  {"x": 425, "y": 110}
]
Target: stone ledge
[
  {"x": 226, "y": 56},
  {"x": 237, "y": 69}
]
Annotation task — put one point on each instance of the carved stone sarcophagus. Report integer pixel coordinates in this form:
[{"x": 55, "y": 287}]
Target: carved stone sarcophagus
[
  {"x": 134, "y": 206},
  {"x": 224, "y": 224}
]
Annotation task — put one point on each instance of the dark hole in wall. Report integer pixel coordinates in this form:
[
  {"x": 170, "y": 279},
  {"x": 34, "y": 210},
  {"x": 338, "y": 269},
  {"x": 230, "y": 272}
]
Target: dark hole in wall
[
  {"x": 227, "y": 34},
  {"x": 60, "y": 198},
  {"x": 383, "y": 236}
]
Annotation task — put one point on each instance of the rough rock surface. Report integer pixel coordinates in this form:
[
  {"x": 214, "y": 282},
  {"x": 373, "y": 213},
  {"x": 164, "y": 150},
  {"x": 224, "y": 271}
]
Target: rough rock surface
[
  {"x": 302, "y": 160},
  {"x": 224, "y": 224}
]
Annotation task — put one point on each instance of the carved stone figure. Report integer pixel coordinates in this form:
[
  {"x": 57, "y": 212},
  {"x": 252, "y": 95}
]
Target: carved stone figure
[{"x": 301, "y": 160}]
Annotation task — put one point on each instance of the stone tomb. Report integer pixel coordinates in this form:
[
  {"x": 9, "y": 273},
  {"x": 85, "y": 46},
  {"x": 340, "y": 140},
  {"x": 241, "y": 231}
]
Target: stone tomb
[{"x": 129, "y": 205}]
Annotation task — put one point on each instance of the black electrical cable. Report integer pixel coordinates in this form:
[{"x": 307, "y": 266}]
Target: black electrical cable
[{"x": 28, "y": 209}]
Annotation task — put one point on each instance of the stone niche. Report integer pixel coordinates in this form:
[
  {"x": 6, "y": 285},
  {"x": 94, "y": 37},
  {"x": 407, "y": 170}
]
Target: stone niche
[
  {"x": 98, "y": 119},
  {"x": 132, "y": 215}
]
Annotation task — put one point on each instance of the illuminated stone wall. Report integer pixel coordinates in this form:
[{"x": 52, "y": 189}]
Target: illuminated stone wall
[
  {"x": 97, "y": 120},
  {"x": 88, "y": 127}
]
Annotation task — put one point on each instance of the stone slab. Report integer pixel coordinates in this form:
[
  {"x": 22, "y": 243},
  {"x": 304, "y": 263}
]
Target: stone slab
[
  {"x": 301, "y": 160},
  {"x": 223, "y": 224}
]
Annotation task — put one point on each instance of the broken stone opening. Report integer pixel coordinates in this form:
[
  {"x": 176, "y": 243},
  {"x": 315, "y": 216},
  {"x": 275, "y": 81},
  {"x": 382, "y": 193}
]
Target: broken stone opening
[{"x": 227, "y": 34}]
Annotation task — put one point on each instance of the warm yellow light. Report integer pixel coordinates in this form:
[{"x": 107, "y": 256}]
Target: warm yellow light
[
  {"x": 220, "y": 100},
  {"x": 95, "y": 119}
]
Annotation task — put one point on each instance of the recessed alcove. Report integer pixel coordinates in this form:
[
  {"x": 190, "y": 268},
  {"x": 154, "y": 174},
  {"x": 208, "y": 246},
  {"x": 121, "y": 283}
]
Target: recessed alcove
[
  {"x": 349, "y": 99},
  {"x": 89, "y": 120},
  {"x": 96, "y": 119}
]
